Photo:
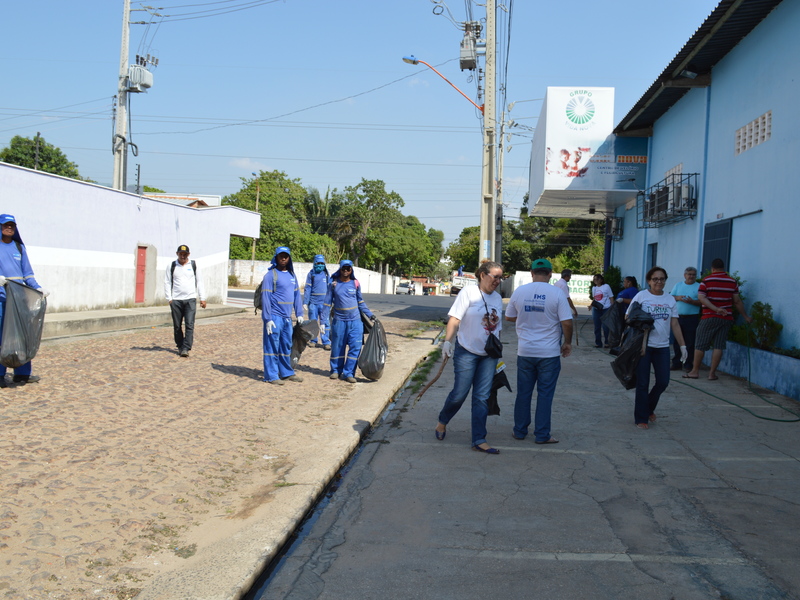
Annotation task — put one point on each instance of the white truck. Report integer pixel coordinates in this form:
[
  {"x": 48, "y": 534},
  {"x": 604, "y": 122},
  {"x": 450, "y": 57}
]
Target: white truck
[{"x": 460, "y": 282}]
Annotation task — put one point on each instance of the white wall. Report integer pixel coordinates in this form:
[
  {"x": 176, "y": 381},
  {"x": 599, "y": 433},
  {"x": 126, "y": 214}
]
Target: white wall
[
  {"x": 82, "y": 238},
  {"x": 371, "y": 281}
]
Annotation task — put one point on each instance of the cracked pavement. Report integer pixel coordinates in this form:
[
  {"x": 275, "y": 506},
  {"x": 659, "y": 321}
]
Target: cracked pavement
[{"x": 702, "y": 505}]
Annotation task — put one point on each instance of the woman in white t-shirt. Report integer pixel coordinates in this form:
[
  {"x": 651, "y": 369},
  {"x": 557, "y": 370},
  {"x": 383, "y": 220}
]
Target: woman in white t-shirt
[
  {"x": 475, "y": 314},
  {"x": 664, "y": 310},
  {"x": 601, "y": 293}
]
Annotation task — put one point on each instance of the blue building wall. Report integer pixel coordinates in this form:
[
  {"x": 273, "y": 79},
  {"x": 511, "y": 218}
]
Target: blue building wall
[{"x": 756, "y": 189}]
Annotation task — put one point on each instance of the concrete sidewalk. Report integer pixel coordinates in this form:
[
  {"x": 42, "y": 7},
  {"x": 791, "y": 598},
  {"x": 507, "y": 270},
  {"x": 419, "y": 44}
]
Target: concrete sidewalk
[
  {"x": 69, "y": 324},
  {"x": 702, "y": 505}
]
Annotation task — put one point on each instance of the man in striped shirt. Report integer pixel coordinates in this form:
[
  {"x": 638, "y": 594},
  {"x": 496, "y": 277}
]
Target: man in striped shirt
[{"x": 718, "y": 294}]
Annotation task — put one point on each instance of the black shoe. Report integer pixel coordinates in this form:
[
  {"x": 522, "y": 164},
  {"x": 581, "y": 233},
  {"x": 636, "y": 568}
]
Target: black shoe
[
  {"x": 26, "y": 378},
  {"x": 3, "y": 383},
  {"x": 184, "y": 353}
]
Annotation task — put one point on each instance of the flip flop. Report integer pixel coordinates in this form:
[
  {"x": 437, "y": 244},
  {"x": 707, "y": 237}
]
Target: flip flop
[
  {"x": 642, "y": 426},
  {"x": 687, "y": 376},
  {"x": 552, "y": 440},
  {"x": 714, "y": 378}
]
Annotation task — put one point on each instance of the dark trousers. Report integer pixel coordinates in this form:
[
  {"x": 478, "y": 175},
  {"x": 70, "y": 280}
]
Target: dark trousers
[
  {"x": 646, "y": 402},
  {"x": 597, "y": 315},
  {"x": 688, "y": 325},
  {"x": 183, "y": 311}
]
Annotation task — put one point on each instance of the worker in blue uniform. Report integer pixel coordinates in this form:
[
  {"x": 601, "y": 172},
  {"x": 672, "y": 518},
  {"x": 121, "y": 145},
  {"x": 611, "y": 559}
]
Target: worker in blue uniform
[
  {"x": 314, "y": 294},
  {"x": 14, "y": 264},
  {"x": 280, "y": 293},
  {"x": 347, "y": 331}
]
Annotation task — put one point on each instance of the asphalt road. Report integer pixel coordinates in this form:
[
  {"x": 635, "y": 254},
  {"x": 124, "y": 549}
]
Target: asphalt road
[{"x": 416, "y": 307}]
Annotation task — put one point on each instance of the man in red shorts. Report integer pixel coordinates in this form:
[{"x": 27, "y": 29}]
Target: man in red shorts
[{"x": 718, "y": 294}]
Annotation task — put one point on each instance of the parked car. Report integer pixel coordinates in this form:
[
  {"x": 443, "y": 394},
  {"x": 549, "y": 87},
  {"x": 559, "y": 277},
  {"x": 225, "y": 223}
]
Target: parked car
[
  {"x": 405, "y": 288},
  {"x": 454, "y": 289}
]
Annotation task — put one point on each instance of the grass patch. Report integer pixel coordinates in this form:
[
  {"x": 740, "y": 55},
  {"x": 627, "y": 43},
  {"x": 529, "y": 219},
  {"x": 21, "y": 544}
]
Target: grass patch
[
  {"x": 422, "y": 373},
  {"x": 424, "y": 327}
]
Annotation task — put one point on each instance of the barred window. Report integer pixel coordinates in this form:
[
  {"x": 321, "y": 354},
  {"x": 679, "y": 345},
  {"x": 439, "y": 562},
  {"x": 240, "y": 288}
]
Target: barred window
[{"x": 754, "y": 133}]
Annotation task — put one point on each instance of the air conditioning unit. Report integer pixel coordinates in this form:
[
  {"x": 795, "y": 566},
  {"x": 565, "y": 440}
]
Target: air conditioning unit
[{"x": 615, "y": 227}]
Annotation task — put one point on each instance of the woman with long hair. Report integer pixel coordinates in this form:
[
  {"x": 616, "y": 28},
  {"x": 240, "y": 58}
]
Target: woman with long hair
[
  {"x": 602, "y": 297},
  {"x": 474, "y": 316}
]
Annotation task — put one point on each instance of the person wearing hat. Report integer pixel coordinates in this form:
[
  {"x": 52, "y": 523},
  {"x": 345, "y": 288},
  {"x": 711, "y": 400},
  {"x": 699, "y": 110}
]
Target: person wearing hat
[
  {"x": 314, "y": 294},
  {"x": 182, "y": 287},
  {"x": 280, "y": 293},
  {"x": 541, "y": 314},
  {"x": 14, "y": 264},
  {"x": 347, "y": 331}
]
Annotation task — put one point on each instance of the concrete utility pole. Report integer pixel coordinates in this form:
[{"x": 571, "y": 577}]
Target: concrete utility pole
[
  {"x": 120, "y": 141},
  {"x": 488, "y": 211},
  {"x": 253, "y": 254}
]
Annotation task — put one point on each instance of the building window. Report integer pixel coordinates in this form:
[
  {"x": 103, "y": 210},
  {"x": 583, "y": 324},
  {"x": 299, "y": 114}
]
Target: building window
[{"x": 754, "y": 133}]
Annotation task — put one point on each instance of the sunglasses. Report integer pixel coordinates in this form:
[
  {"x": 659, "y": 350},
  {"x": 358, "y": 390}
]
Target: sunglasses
[{"x": 347, "y": 268}]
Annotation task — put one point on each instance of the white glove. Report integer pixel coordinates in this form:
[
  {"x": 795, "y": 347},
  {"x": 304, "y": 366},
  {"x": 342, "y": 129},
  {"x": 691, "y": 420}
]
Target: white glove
[
  {"x": 620, "y": 299},
  {"x": 270, "y": 327},
  {"x": 299, "y": 320},
  {"x": 45, "y": 293},
  {"x": 684, "y": 355},
  {"x": 2, "y": 281},
  {"x": 322, "y": 329},
  {"x": 447, "y": 348}
]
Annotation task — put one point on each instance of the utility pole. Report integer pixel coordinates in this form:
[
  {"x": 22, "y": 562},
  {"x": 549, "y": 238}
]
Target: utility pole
[
  {"x": 253, "y": 253},
  {"x": 120, "y": 141},
  {"x": 488, "y": 210},
  {"x": 501, "y": 153}
]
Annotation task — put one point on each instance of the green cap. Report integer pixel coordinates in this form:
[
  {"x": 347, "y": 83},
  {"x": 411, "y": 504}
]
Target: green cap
[{"x": 541, "y": 263}]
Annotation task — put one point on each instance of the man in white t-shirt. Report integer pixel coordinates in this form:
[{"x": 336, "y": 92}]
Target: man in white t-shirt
[
  {"x": 541, "y": 313},
  {"x": 562, "y": 284},
  {"x": 183, "y": 288}
]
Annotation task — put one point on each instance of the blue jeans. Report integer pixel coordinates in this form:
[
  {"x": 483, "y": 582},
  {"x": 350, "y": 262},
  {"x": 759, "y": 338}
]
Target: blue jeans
[
  {"x": 476, "y": 372},
  {"x": 183, "y": 313},
  {"x": 278, "y": 350},
  {"x": 597, "y": 314},
  {"x": 346, "y": 340},
  {"x": 646, "y": 402},
  {"x": 543, "y": 373},
  {"x": 317, "y": 311},
  {"x": 25, "y": 369}
]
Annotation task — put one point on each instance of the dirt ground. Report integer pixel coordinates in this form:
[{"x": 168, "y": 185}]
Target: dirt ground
[{"x": 126, "y": 458}]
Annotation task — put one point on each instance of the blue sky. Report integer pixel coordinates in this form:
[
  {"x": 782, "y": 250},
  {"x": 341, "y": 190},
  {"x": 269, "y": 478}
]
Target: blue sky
[{"x": 317, "y": 88}]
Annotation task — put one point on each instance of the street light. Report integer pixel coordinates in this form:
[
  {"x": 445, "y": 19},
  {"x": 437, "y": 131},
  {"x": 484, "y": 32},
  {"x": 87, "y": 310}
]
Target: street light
[
  {"x": 413, "y": 60},
  {"x": 488, "y": 224}
]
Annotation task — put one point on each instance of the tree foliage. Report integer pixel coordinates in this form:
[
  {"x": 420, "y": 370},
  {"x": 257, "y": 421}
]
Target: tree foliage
[
  {"x": 362, "y": 222},
  {"x": 38, "y": 154}
]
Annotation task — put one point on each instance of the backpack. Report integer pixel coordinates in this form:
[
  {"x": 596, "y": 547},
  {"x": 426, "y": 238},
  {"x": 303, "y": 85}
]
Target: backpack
[{"x": 257, "y": 294}]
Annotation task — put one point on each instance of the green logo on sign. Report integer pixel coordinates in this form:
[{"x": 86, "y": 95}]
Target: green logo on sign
[{"x": 580, "y": 109}]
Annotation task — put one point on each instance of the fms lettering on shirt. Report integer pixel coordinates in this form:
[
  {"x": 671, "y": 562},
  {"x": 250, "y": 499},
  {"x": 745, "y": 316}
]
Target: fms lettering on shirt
[{"x": 536, "y": 304}]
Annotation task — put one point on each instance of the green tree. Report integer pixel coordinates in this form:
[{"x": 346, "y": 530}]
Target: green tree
[
  {"x": 38, "y": 154},
  {"x": 152, "y": 190},
  {"x": 464, "y": 250},
  {"x": 364, "y": 210},
  {"x": 283, "y": 219}
]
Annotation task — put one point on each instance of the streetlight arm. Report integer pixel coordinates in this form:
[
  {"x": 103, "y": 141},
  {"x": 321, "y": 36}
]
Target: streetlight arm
[{"x": 413, "y": 61}]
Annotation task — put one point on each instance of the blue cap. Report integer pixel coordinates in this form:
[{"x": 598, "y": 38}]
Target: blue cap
[
  {"x": 319, "y": 258},
  {"x": 280, "y": 249},
  {"x": 7, "y": 219},
  {"x": 346, "y": 263}
]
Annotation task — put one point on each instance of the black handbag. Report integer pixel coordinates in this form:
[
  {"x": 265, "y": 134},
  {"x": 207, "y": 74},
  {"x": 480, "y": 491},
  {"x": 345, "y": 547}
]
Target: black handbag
[{"x": 493, "y": 346}]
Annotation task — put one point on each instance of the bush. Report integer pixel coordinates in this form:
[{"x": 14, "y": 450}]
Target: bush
[
  {"x": 233, "y": 281},
  {"x": 613, "y": 277},
  {"x": 764, "y": 330}
]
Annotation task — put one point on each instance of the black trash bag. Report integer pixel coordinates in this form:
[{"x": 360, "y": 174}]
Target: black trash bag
[
  {"x": 614, "y": 319},
  {"x": 22, "y": 325},
  {"x": 366, "y": 322},
  {"x": 373, "y": 354},
  {"x": 634, "y": 343},
  {"x": 301, "y": 335},
  {"x": 500, "y": 381}
]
